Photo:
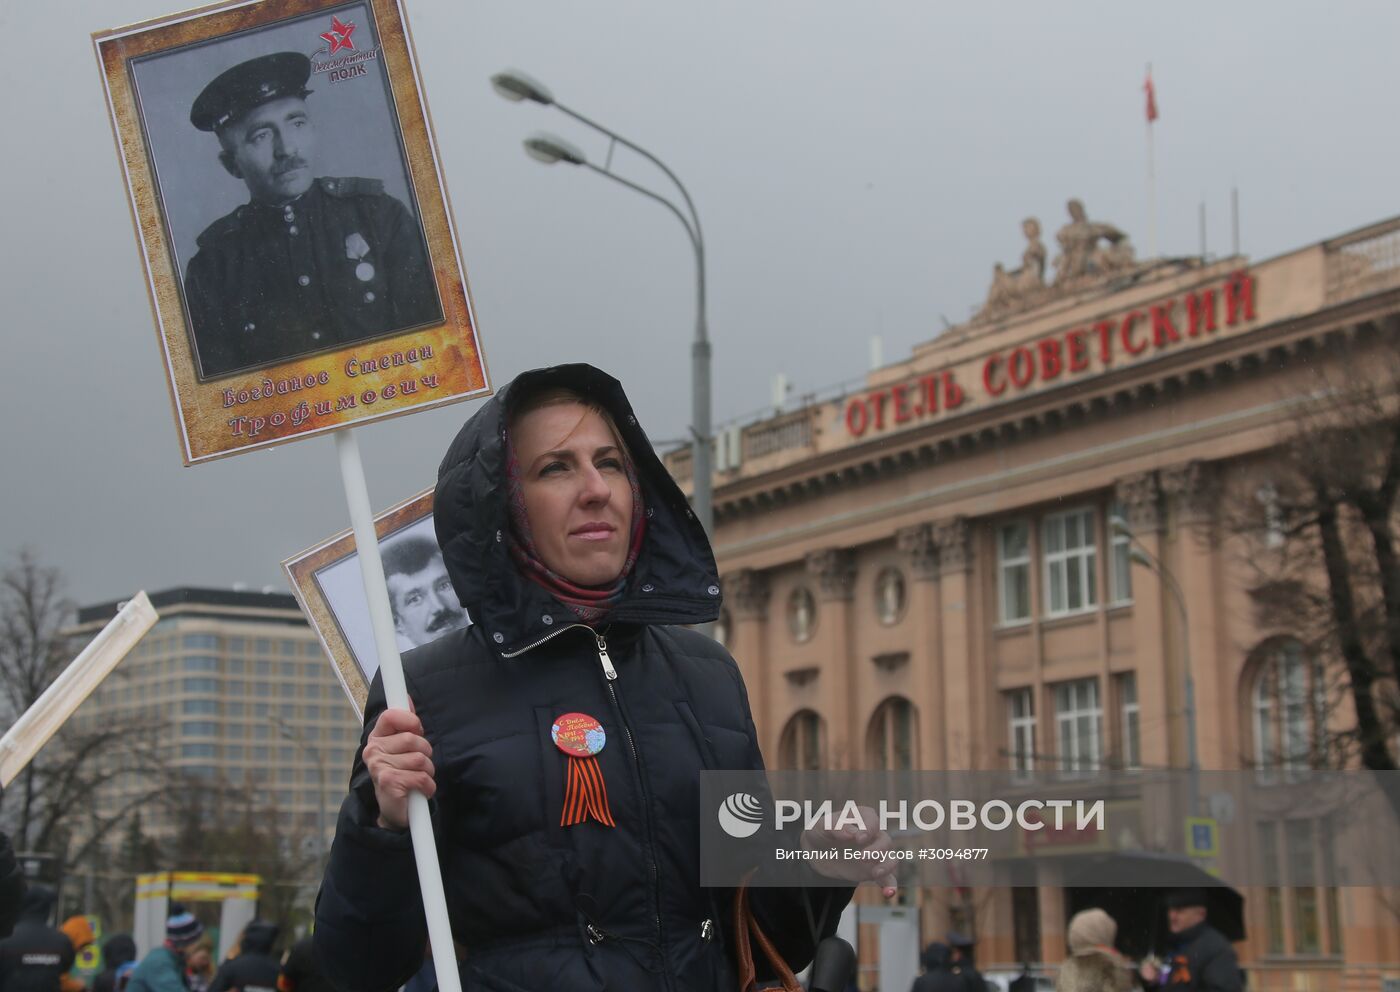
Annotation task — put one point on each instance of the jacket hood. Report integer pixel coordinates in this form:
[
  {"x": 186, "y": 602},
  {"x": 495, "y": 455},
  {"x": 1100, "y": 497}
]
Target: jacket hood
[
  {"x": 258, "y": 937},
  {"x": 937, "y": 957},
  {"x": 674, "y": 581},
  {"x": 38, "y": 903}
]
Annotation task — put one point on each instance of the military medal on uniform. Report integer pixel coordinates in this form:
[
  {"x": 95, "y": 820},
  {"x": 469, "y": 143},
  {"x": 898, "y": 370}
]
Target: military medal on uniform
[
  {"x": 581, "y": 737},
  {"x": 356, "y": 248}
]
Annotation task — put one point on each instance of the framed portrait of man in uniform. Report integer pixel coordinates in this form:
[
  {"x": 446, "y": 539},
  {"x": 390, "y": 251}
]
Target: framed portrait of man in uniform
[
  {"x": 326, "y": 581},
  {"x": 295, "y": 233}
]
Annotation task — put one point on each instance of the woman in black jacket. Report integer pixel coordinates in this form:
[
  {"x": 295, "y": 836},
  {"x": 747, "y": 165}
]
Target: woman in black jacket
[{"x": 561, "y": 736}]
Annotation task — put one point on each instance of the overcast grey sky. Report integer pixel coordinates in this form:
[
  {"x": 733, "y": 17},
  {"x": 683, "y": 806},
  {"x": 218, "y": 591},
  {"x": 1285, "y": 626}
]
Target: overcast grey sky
[{"x": 858, "y": 168}]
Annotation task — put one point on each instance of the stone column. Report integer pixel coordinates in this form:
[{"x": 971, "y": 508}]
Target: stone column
[
  {"x": 1194, "y": 491},
  {"x": 746, "y": 596},
  {"x": 835, "y": 572},
  {"x": 1140, "y": 497},
  {"x": 921, "y": 555},
  {"x": 962, "y": 702}
]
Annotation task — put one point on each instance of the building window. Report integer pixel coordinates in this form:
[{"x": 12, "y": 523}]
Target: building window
[
  {"x": 1070, "y": 563},
  {"x": 1078, "y": 725},
  {"x": 890, "y": 743},
  {"x": 1025, "y": 922},
  {"x": 1014, "y": 572},
  {"x": 1129, "y": 723},
  {"x": 1020, "y": 708},
  {"x": 802, "y": 746},
  {"x": 236, "y": 666},
  {"x": 199, "y": 706},
  {"x": 198, "y": 728},
  {"x": 196, "y": 751},
  {"x": 200, "y": 685},
  {"x": 1290, "y": 710},
  {"x": 263, "y": 645},
  {"x": 1120, "y": 571},
  {"x": 889, "y": 596},
  {"x": 802, "y": 614},
  {"x": 200, "y": 663},
  {"x": 197, "y": 641}
]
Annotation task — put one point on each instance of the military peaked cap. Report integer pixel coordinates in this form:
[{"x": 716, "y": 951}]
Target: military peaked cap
[{"x": 250, "y": 84}]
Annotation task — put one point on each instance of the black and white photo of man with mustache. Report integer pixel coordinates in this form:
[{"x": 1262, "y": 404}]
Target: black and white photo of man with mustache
[
  {"x": 424, "y": 603},
  {"x": 310, "y": 262}
]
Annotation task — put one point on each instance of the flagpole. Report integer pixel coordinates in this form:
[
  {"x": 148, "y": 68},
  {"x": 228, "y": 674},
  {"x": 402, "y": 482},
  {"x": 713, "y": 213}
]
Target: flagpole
[{"x": 1151, "y": 170}]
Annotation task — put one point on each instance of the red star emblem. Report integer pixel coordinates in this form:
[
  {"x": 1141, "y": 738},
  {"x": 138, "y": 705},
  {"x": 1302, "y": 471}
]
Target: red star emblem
[{"x": 338, "y": 36}]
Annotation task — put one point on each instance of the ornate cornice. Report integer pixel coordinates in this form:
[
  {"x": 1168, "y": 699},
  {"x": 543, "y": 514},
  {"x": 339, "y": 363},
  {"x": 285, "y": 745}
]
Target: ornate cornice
[
  {"x": 953, "y": 539},
  {"x": 835, "y": 570},
  {"x": 1194, "y": 489},
  {"x": 747, "y": 592},
  {"x": 916, "y": 543},
  {"x": 1140, "y": 497}
]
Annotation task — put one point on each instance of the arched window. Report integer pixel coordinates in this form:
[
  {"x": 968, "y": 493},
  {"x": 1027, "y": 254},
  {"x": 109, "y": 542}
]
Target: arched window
[
  {"x": 1289, "y": 704},
  {"x": 802, "y": 746},
  {"x": 892, "y": 740}
]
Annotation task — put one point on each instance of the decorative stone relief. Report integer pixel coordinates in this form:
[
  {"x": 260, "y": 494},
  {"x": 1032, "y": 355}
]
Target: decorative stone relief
[
  {"x": 916, "y": 543},
  {"x": 1194, "y": 488},
  {"x": 1140, "y": 498},
  {"x": 835, "y": 571},
  {"x": 747, "y": 592},
  {"x": 953, "y": 539}
]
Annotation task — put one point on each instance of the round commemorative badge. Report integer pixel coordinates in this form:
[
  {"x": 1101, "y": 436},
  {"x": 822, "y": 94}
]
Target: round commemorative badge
[{"x": 578, "y": 735}]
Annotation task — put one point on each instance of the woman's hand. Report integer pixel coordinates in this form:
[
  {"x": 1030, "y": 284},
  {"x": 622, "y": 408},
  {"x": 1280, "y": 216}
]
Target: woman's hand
[
  {"x": 399, "y": 759},
  {"x": 858, "y": 870}
]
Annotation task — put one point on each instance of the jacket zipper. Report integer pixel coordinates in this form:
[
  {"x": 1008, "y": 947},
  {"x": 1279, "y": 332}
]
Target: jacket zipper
[
  {"x": 549, "y": 637},
  {"x": 610, "y": 675}
]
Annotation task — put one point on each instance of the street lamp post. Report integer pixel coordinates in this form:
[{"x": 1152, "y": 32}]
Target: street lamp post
[
  {"x": 295, "y": 736},
  {"x": 1140, "y": 555},
  {"x": 517, "y": 86}
]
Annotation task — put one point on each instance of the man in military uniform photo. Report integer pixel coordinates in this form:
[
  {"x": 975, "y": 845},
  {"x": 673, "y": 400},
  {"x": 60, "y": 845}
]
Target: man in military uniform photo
[{"x": 308, "y": 263}]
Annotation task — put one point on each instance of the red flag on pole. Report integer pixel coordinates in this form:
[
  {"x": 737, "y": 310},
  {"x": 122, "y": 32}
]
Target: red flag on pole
[{"x": 1151, "y": 98}]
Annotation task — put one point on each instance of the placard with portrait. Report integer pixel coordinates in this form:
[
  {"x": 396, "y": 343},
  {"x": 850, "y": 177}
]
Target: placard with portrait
[
  {"x": 327, "y": 583},
  {"x": 298, "y": 246}
]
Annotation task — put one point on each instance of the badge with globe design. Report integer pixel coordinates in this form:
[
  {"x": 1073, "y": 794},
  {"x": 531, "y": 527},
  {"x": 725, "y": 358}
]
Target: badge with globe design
[{"x": 581, "y": 737}]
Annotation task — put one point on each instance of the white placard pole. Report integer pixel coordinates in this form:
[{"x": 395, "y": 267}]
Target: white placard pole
[
  {"x": 420, "y": 824},
  {"x": 83, "y": 674}
]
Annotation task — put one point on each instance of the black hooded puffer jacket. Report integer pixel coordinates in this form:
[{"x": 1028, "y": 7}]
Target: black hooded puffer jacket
[{"x": 537, "y": 907}]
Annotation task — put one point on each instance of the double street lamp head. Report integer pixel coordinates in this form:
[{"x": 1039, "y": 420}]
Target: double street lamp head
[
  {"x": 516, "y": 86},
  {"x": 549, "y": 149}
]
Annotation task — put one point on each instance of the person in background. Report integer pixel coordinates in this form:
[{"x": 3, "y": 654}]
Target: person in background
[
  {"x": 964, "y": 963},
  {"x": 163, "y": 969},
  {"x": 79, "y": 932},
  {"x": 11, "y": 886},
  {"x": 1199, "y": 958},
  {"x": 299, "y": 972},
  {"x": 255, "y": 969},
  {"x": 1094, "y": 965},
  {"x": 35, "y": 957},
  {"x": 117, "y": 950},
  {"x": 199, "y": 966},
  {"x": 938, "y": 973}
]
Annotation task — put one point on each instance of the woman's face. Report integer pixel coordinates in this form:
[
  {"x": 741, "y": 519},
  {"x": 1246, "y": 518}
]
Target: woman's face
[{"x": 577, "y": 497}]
